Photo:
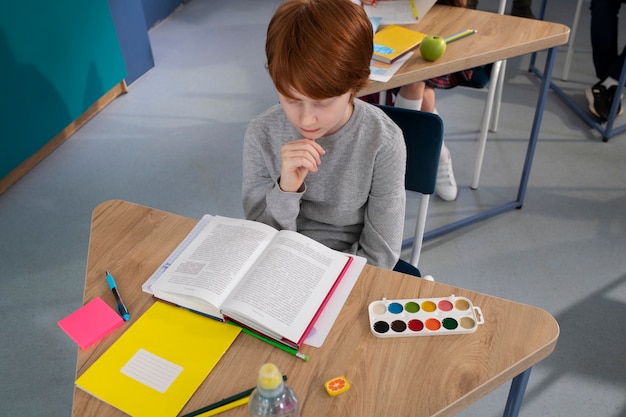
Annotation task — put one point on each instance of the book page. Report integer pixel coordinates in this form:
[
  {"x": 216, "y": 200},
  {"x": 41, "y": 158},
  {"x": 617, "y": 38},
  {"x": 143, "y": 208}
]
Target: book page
[
  {"x": 286, "y": 287},
  {"x": 210, "y": 267},
  {"x": 202, "y": 223}
]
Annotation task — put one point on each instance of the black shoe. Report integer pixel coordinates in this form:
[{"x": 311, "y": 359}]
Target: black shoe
[{"x": 600, "y": 100}]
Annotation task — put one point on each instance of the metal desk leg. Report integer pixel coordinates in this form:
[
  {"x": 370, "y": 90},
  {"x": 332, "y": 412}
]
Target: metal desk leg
[
  {"x": 516, "y": 394},
  {"x": 532, "y": 144},
  {"x": 534, "y": 134},
  {"x": 607, "y": 131}
]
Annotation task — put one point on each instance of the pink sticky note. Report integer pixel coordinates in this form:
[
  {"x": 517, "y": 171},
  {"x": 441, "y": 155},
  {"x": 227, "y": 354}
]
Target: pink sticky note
[{"x": 91, "y": 322}]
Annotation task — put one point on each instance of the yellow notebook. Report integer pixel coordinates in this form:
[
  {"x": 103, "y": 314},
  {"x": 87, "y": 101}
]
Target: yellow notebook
[
  {"x": 393, "y": 41},
  {"x": 159, "y": 362}
]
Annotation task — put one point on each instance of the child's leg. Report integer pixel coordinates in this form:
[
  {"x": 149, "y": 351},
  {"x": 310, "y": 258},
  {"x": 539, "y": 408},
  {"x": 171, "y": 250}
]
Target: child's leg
[
  {"x": 428, "y": 103},
  {"x": 410, "y": 96},
  {"x": 446, "y": 187}
]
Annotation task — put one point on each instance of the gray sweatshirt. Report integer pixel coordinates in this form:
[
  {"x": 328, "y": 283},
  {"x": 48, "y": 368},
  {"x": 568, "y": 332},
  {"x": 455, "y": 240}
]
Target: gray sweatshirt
[{"x": 355, "y": 202}]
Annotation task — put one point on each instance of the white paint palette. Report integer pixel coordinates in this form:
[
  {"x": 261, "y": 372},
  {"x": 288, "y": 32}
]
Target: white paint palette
[{"x": 433, "y": 316}]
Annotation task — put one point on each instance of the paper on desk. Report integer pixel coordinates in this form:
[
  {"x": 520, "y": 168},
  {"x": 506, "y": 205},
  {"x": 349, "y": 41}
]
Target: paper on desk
[
  {"x": 399, "y": 11},
  {"x": 151, "y": 370},
  {"x": 382, "y": 72},
  {"x": 91, "y": 323},
  {"x": 326, "y": 320}
]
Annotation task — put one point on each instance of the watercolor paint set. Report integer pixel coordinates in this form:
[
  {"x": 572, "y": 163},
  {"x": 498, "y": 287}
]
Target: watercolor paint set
[{"x": 424, "y": 317}]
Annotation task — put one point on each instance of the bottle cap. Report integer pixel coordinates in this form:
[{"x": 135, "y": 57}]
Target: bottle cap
[{"x": 269, "y": 377}]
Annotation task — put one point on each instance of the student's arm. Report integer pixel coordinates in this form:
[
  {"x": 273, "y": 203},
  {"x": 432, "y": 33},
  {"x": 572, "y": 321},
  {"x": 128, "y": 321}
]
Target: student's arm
[
  {"x": 262, "y": 198},
  {"x": 381, "y": 239}
]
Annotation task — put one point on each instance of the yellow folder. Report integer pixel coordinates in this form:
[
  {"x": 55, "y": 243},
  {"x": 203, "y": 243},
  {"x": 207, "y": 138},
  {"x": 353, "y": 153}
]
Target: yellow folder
[
  {"x": 159, "y": 362},
  {"x": 393, "y": 41}
]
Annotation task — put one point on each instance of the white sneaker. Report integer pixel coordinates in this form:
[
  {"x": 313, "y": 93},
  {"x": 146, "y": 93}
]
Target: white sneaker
[{"x": 446, "y": 187}]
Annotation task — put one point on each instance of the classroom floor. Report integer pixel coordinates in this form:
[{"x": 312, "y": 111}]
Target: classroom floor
[{"x": 174, "y": 142}]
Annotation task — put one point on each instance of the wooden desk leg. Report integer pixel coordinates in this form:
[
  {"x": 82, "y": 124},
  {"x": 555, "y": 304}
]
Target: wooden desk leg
[{"x": 516, "y": 394}]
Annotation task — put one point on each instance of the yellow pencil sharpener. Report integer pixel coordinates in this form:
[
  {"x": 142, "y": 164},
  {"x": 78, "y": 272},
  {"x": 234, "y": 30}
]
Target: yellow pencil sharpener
[{"x": 336, "y": 386}]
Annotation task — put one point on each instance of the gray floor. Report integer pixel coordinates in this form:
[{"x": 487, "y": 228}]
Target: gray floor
[{"x": 174, "y": 142}]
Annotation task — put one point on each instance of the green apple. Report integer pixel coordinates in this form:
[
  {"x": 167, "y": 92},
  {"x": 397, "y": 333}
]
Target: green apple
[{"x": 432, "y": 47}]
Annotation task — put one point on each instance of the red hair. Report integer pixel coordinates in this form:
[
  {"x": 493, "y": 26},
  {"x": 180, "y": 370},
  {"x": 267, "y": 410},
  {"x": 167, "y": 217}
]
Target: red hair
[{"x": 319, "y": 48}]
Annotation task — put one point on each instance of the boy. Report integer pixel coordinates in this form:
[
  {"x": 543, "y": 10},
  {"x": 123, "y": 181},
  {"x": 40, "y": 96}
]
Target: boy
[{"x": 321, "y": 162}]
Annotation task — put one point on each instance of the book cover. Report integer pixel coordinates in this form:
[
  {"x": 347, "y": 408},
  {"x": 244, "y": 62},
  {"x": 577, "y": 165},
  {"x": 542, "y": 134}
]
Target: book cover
[
  {"x": 91, "y": 323},
  {"x": 393, "y": 41},
  {"x": 159, "y": 362}
]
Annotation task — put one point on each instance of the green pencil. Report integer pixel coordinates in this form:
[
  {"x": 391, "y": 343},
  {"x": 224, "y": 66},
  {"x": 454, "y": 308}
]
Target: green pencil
[
  {"x": 459, "y": 35},
  {"x": 272, "y": 342}
]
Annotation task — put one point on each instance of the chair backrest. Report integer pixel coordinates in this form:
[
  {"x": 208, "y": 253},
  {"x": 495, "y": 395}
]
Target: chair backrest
[{"x": 423, "y": 135}]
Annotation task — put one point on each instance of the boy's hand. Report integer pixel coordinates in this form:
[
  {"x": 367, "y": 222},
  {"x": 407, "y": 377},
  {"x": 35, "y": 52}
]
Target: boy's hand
[{"x": 299, "y": 157}]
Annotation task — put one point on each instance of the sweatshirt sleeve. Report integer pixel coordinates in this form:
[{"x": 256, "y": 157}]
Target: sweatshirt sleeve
[
  {"x": 381, "y": 239},
  {"x": 263, "y": 200}
]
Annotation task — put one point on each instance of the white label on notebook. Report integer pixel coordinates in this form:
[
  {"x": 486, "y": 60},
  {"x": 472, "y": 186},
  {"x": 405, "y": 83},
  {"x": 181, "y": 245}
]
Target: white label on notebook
[{"x": 152, "y": 370}]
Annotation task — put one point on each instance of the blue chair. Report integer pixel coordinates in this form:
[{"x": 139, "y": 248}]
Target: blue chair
[{"x": 423, "y": 134}]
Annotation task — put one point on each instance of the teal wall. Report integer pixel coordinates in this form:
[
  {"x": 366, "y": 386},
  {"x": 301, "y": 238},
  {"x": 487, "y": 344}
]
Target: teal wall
[{"x": 56, "y": 59}]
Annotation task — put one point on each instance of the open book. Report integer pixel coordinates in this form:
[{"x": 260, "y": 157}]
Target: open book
[{"x": 273, "y": 282}]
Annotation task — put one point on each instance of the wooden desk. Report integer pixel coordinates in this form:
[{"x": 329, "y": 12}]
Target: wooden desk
[
  {"x": 420, "y": 376},
  {"x": 499, "y": 37}
]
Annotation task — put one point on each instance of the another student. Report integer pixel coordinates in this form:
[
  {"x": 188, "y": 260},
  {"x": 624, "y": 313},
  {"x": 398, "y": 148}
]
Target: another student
[
  {"x": 421, "y": 96},
  {"x": 321, "y": 162},
  {"x": 608, "y": 64}
]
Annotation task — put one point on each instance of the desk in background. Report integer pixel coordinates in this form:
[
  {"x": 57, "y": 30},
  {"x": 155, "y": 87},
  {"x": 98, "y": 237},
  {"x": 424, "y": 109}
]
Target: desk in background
[
  {"x": 499, "y": 37},
  {"x": 420, "y": 376}
]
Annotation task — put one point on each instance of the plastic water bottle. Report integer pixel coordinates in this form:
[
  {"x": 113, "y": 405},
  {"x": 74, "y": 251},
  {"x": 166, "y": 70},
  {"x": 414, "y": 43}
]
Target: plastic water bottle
[{"x": 272, "y": 397}]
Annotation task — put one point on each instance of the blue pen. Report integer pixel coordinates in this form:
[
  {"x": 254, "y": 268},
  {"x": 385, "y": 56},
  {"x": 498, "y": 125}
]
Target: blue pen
[{"x": 121, "y": 308}]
